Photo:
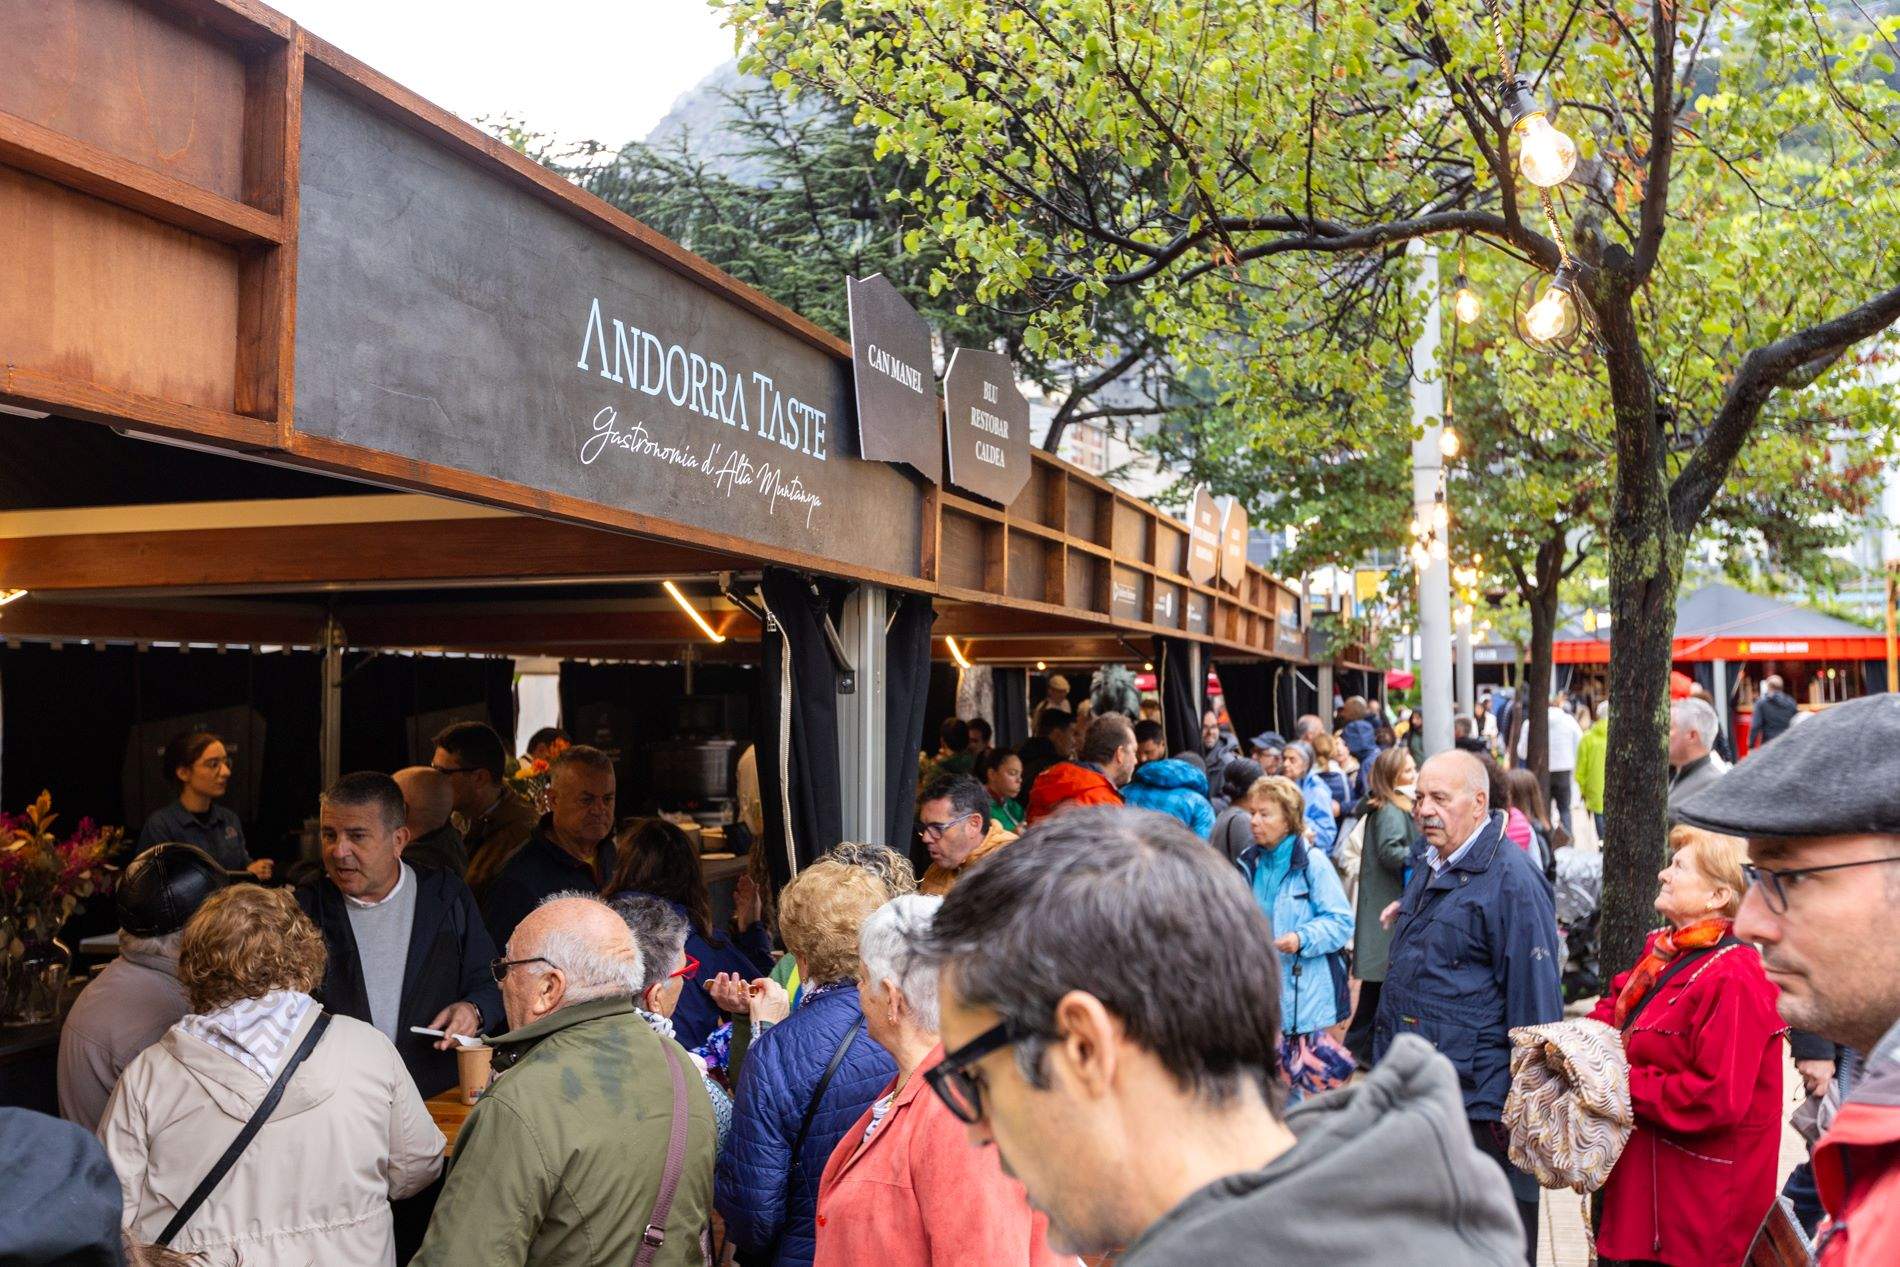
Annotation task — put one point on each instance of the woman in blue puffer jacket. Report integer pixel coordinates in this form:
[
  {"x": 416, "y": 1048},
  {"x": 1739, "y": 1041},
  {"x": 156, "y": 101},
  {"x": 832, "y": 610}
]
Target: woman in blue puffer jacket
[
  {"x": 1312, "y": 921},
  {"x": 766, "y": 1183},
  {"x": 1173, "y": 787}
]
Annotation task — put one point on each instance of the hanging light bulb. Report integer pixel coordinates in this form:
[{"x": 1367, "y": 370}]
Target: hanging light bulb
[
  {"x": 1545, "y": 155},
  {"x": 1448, "y": 443},
  {"x": 1441, "y": 518},
  {"x": 1466, "y": 304},
  {"x": 1438, "y": 550},
  {"x": 1554, "y": 317}
]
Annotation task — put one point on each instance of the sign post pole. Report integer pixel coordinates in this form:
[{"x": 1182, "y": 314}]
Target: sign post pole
[{"x": 861, "y": 737}]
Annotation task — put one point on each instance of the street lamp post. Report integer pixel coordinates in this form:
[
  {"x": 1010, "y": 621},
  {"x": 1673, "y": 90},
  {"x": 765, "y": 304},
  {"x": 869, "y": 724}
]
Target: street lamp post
[{"x": 1432, "y": 563}]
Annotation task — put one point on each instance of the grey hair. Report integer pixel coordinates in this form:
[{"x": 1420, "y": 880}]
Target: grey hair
[
  {"x": 659, "y": 930},
  {"x": 1305, "y": 750},
  {"x": 892, "y": 868},
  {"x": 165, "y": 946},
  {"x": 592, "y": 971},
  {"x": 890, "y": 944},
  {"x": 1603, "y": 709},
  {"x": 1694, "y": 714}
]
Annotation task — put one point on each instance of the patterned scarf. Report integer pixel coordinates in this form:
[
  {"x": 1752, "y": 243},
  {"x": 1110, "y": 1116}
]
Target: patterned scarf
[
  {"x": 254, "y": 1032},
  {"x": 1668, "y": 944}
]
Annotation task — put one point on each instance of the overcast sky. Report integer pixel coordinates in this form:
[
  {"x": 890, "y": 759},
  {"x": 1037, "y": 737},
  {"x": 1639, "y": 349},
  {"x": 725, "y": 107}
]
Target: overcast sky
[{"x": 604, "y": 70}]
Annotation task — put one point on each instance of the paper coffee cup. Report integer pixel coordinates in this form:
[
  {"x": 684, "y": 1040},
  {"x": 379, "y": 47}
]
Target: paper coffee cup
[{"x": 475, "y": 1066}]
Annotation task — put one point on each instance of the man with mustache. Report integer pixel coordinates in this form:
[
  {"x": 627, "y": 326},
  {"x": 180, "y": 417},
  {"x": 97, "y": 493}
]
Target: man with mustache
[
  {"x": 1474, "y": 953},
  {"x": 1823, "y": 905}
]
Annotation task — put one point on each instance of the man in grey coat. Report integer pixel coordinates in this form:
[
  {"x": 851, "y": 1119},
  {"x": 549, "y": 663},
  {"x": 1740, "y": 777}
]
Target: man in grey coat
[
  {"x": 134, "y": 999},
  {"x": 1692, "y": 727},
  {"x": 1125, "y": 1063}
]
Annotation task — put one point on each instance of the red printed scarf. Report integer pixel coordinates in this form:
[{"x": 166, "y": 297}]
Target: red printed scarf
[{"x": 1668, "y": 944}]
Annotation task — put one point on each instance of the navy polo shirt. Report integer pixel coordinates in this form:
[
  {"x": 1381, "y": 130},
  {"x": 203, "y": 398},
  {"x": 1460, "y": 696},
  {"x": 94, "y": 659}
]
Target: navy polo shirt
[{"x": 216, "y": 831}]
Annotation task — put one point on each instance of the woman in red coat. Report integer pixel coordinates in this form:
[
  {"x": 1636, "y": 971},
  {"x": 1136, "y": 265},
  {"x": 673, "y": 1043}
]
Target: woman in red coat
[
  {"x": 905, "y": 1188},
  {"x": 1705, "y": 1054}
]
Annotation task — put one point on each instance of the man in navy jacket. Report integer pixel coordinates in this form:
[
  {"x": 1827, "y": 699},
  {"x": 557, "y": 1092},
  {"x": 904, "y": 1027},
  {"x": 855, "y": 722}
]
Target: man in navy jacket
[{"x": 1474, "y": 953}]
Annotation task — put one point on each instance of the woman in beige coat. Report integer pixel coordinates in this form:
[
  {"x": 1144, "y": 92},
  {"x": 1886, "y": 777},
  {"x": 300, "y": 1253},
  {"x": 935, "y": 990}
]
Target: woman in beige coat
[{"x": 350, "y": 1134}]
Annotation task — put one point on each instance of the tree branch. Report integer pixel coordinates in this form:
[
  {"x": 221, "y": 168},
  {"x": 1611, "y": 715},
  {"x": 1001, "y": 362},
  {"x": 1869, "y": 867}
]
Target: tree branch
[
  {"x": 1085, "y": 389},
  {"x": 1797, "y": 359},
  {"x": 1662, "y": 141}
]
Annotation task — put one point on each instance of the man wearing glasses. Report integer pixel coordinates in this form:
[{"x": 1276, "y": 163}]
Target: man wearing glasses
[
  {"x": 570, "y": 1158},
  {"x": 1823, "y": 904},
  {"x": 1110, "y": 1002}
]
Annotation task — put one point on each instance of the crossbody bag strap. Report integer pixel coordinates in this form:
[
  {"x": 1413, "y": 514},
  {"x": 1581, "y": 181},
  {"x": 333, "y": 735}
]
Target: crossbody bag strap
[
  {"x": 675, "y": 1161},
  {"x": 1677, "y": 965},
  {"x": 244, "y": 1137},
  {"x": 804, "y": 1125}
]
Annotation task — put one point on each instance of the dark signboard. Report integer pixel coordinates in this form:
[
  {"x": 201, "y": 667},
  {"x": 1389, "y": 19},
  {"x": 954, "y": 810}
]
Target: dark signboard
[
  {"x": 1167, "y": 605},
  {"x": 1233, "y": 544},
  {"x": 1196, "y": 612},
  {"x": 896, "y": 387},
  {"x": 1204, "y": 544},
  {"x": 447, "y": 315},
  {"x": 986, "y": 424},
  {"x": 1287, "y": 638},
  {"x": 1124, "y": 593}
]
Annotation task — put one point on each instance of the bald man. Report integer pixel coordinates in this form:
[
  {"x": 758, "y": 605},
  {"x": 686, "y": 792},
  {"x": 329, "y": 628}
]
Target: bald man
[
  {"x": 1474, "y": 953},
  {"x": 563, "y": 1160},
  {"x": 429, "y": 795}
]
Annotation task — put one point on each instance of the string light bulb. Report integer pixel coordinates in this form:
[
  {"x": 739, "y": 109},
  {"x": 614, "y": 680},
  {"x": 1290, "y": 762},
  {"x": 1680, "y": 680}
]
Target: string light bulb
[
  {"x": 1545, "y": 154},
  {"x": 1466, "y": 304},
  {"x": 1448, "y": 443},
  {"x": 1554, "y": 318}
]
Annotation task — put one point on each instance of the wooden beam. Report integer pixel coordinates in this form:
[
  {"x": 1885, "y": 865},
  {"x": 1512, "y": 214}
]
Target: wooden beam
[
  {"x": 316, "y": 555},
  {"x": 89, "y": 169}
]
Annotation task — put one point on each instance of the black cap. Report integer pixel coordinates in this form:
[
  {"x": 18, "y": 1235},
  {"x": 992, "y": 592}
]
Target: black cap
[
  {"x": 1802, "y": 783},
  {"x": 163, "y": 886}
]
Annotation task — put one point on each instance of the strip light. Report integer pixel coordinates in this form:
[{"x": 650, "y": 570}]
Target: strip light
[
  {"x": 712, "y": 634},
  {"x": 956, "y": 652}
]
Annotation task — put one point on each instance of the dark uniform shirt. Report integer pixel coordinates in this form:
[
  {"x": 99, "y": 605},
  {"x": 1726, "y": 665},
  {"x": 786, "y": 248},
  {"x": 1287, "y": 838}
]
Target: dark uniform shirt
[
  {"x": 440, "y": 849},
  {"x": 216, "y": 831},
  {"x": 538, "y": 872}
]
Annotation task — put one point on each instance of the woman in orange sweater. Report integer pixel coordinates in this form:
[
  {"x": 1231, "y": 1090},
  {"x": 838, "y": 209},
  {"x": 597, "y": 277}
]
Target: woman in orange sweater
[{"x": 905, "y": 1188}]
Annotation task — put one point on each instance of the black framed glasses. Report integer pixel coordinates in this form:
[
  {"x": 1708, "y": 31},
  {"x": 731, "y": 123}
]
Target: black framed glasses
[
  {"x": 1776, "y": 884},
  {"x": 935, "y": 831},
  {"x": 500, "y": 966},
  {"x": 958, "y": 1085}
]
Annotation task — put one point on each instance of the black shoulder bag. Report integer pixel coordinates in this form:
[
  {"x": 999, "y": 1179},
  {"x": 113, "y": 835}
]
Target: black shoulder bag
[
  {"x": 244, "y": 1137},
  {"x": 1680, "y": 962},
  {"x": 770, "y": 1254}
]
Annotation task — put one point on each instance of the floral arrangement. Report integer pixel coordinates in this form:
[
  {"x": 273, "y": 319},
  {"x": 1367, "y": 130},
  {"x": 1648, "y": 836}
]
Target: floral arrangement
[
  {"x": 43, "y": 879},
  {"x": 529, "y": 777}
]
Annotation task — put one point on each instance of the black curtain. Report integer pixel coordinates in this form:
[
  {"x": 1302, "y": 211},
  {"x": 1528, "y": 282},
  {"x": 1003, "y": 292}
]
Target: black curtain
[
  {"x": 1873, "y": 673},
  {"x": 1182, "y": 698},
  {"x": 799, "y": 780},
  {"x": 1286, "y": 699},
  {"x": 1012, "y": 707},
  {"x": 1247, "y": 688},
  {"x": 906, "y": 696}
]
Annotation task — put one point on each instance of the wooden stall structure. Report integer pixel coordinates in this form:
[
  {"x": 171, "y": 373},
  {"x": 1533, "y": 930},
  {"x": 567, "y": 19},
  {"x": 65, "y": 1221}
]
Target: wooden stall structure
[{"x": 218, "y": 230}]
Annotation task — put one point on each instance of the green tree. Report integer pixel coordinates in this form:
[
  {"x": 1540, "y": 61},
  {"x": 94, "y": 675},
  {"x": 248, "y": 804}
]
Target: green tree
[
  {"x": 802, "y": 197},
  {"x": 1252, "y": 173}
]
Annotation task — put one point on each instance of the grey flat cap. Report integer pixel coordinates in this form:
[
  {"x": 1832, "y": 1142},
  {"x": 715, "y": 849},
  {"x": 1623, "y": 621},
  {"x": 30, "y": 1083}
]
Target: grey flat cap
[{"x": 1831, "y": 775}]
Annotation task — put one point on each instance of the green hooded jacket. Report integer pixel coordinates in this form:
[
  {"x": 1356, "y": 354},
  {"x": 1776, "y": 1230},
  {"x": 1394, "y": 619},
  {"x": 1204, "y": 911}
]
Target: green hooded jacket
[
  {"x": 559, "y": 1164},
  {"x": 1591, "y": 750}
]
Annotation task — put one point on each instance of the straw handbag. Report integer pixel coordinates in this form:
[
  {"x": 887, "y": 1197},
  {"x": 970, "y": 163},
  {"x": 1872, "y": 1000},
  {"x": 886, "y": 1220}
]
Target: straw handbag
[{"x": 1568, "y": 1112}]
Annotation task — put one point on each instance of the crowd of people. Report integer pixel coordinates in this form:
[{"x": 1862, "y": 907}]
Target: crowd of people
[{"x": 1167, "y": 1007}]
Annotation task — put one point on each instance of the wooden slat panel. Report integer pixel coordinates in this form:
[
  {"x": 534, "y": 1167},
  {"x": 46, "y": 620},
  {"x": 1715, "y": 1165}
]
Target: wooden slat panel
[
  {"x": 266, "y": 351},
  {"x": 1084, "y": 511},
  {"x": 960, "y": 551},
  {"x": 101, "y": 295},
  {"x": 39, "y": 150},
  {"x": 130, "y": 80},
  {"x": 1030, "y": 566}
]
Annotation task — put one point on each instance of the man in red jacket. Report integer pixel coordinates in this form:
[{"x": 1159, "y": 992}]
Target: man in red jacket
[
  {"x": 1824, "y": 906},
  {"x": 1095, "y": 777}
]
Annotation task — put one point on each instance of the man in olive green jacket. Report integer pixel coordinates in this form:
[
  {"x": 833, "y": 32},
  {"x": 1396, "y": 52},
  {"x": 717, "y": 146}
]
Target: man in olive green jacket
[{"x": 560, "y": 1163}]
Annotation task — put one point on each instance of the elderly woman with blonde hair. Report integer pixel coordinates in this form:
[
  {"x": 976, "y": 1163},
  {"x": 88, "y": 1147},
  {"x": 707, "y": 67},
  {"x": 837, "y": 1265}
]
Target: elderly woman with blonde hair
[
  {"x": 807, "y": 1077},
  {"x": 348, "y": 1133},
  {"x": 1704, "y": 1044}
]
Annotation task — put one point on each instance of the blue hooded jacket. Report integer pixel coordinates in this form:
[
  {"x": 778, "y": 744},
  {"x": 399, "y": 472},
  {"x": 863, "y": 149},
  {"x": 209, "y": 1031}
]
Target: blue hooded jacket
[
  {"x": 782, "y": 1069},
  {"x": 1174, "y": 788},
  {"x": 1319, "y": 811},
  {"x": 1304, "y": 898},
  {"x": 1474, "y": 956}
]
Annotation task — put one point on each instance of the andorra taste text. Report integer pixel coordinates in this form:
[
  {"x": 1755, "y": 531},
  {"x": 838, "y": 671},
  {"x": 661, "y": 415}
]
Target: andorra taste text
[{"x": 729, "y": 469}]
